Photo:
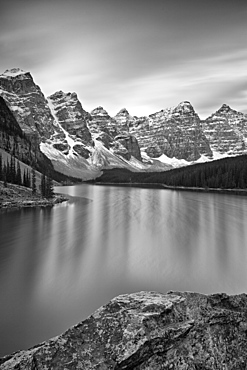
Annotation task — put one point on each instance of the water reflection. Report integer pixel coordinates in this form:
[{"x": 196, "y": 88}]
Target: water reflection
[{"x": 59, "y": 264}]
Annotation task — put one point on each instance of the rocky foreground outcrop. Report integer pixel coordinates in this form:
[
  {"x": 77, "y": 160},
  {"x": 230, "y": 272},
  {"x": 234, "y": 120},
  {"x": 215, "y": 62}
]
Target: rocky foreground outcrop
[{"x": 149, "y": 330}]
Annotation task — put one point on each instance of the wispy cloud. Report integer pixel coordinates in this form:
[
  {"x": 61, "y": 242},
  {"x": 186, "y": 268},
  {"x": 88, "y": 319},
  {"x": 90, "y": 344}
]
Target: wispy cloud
[{"x": 141, "y": 55}]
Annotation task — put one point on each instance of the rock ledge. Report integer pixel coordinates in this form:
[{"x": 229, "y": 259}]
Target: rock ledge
[{"x": 149, "y": 330}]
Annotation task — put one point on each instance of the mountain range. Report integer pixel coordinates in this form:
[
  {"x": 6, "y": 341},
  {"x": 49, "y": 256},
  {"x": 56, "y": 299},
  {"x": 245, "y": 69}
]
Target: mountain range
[{"x": 79, "y": 144}]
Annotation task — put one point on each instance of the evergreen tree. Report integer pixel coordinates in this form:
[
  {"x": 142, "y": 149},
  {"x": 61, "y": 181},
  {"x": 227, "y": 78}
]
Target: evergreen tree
[
  {"x": 34, "y": 189},
  {"x": 1, "y": 168},
  {"x": 24, "y": 181},
  {"x": 43, "y": 185},
  {"x": 12, "y": 170},
  {"x": 18, "y": 174},
  {"x": 8, "y": 172},
  {"x": 5, "y": 175},
  {"x": 28, "y": 179},
  {"x": 241, "y": 182},
  {"x": 49, "y": 193}
]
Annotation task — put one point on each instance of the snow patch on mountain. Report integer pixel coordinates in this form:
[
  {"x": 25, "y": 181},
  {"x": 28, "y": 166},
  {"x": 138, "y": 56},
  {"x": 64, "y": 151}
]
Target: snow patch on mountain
[
  {"x": 73, "y": 165},
  {"x": 175, "y": 162},
  {"x": 14, "y": 72},
  {"x": 105, "y": 158},
  {"x": 69, "y": 140}
]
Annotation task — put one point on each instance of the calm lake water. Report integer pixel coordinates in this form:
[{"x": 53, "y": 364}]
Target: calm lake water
[{"x": 57, "y": 265}]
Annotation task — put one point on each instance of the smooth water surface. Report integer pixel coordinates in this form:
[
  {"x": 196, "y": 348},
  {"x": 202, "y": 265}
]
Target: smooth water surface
[{"x": 57, "y": 265}]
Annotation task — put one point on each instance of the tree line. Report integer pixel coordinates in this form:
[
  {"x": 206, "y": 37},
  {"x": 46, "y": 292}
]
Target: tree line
[
  {"x": 227, "y": 173},
  {"x": 10, "y": 172}
]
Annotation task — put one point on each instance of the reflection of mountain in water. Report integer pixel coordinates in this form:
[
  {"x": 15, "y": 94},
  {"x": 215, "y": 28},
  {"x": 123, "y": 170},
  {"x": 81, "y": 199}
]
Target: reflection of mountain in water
[{"x": 59, "y": 264}]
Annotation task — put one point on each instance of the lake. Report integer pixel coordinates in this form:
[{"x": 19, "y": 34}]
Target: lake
[{"x": 59, "y": 264}]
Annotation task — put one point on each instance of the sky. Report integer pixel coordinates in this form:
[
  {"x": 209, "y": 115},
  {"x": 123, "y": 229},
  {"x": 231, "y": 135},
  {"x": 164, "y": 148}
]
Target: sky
[{"x": 136, "y": 54}]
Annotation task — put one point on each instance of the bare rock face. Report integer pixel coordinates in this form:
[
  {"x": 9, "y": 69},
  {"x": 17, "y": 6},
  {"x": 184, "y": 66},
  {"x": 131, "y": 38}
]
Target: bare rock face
[
  {"x": 71, "y": 116},
  {"x": 149, "y": 330},
  {"x": 27, "y": 103},
  {"x": 124, "y": 119},
  {"x": 174, "y": 132},
  {"x": 226, "y": 129},
  {"x": 113, "y": 134},
  {"x": 82, "y": 151},
  {"x": 130, "y": 143},
  {"x": 102, "y": 122}
]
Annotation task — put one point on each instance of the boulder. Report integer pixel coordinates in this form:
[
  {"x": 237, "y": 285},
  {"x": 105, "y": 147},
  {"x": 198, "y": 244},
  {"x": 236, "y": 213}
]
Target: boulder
[{"x": 149, "y": 330}]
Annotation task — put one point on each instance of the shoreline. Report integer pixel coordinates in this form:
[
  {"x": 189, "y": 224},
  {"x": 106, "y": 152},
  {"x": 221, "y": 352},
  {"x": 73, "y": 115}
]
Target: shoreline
[
  {"x": 183, "y": 188},
  {"x": 17, "y": 196},
  {"x": 24, "y": 203}
]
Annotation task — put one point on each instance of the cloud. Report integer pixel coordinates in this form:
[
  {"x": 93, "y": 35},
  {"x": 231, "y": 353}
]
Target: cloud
[
  {"x": 141, "y": 55},
  {"x": 207, "y": 83}
]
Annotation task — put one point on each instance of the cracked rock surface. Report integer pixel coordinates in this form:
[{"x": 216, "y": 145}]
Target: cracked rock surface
[{"x": 149, "y": 330}]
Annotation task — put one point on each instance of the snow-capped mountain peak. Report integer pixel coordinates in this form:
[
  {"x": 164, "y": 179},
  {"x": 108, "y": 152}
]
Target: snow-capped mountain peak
[{"x": 13, "y": 72}]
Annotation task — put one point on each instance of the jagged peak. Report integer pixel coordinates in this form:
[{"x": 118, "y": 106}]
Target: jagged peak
[
  {"x": 185, "y": 103},
  {"x": 225, "y": 107},
  {"x": 99, "y": 111},
  {"x": 62, "y": 95},
  {"x": 123, "y": 112},
  {"x": 56, "y": 94},
  {"x": 99, "y": 108},
  {"x": 185, "y": 107},
  {"x": 13, "y": 72}
]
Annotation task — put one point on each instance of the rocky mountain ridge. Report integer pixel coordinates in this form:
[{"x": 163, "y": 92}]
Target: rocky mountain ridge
[
  {"x": 80, "y": 143},
  {"x": 27, "y": 103},
  {"x": 149, "y": 330},
  {"x": 62, "y": 127},
  {"x": 105, "y": 129},
  {"x": 174, "y": 132},
  {"x": 226, "y": 130}
]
